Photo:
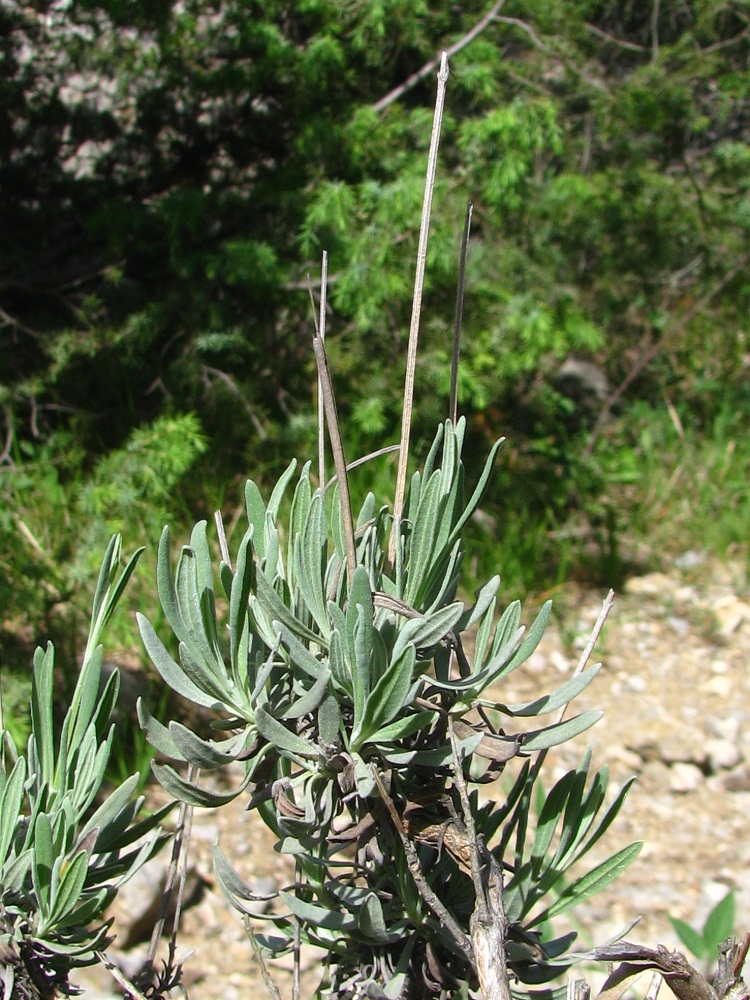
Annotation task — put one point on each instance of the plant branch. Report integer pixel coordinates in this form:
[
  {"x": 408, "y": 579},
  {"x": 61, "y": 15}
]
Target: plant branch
[
  {"x": 447, "y": 920},
  {"x": 411, "y": 356},
  {"x": 428, "y": 67}
]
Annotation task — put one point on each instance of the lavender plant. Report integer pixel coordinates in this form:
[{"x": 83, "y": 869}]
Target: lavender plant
[
  {"x": 340, "y": 677},
  {"x": 366, "y": 732},
  {"x": 64, "y": 849}
]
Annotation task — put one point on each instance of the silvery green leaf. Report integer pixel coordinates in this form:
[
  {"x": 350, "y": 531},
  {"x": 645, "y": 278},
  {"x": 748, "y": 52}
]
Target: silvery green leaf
[
  {"x": 242, "y": 584},
  {"x": 272, "y": 605},
  {"x": 339, "y": 671},
  {"x": 203, "y": 753},
  {"x": 256, "y": 516},
  {"x": 477, "y": 494},
  {"x": 169, "y": 671},
  {"x": 562, "y": 696},
  {"x": 300, "y": 655},
  {"x": 166, "y": 589},
  {"x": 366, "y": 512},
  {"x": 104, "y": 818},
  {"x": 237, "y": 892},
  {"x": 591, "y": 883},
  {"x": 372, "y": 921},
  {"x": 361, "y": 645},
  {"x": 429, "y": 462},
  {"x": 437, "y": 757},
  {"x": 310, "y": 561},
  {"x": 14, "y": 873},
  {"x": 606, "y": 821},
  {"x": 532, "y": 639},
  {"x": 363, "y": 778},
  {"x": 11, "y": 801},
  {"x": 279, "y": 489},
  {"x": 427, "y": 631},
  {"x": 424, "y": 531},
  {"x": 283, "y": 739},
  {"x": 42, "y": 722},
  {"x": 507, "y": 626},
  {"x": 91, "y": 909},
  {"x": 43, "y": 860},
  {"x": 192, "y": 794},
  {"x": 485, "y": 599},
  {"x": 301, "y": 500},
  {"x": 404, "y": 727},
  {"x": 552, "y": 736},
  {"x": 306, "y": 702},
  {"x": 329, "y": 721},
  {"x": 319, "y": 916},
  {"x": 387, "y": 698},
  {"x": 158, "y": 735},
  {"x": 208, "y": 677},
  {"x": 66, "y": 888}
]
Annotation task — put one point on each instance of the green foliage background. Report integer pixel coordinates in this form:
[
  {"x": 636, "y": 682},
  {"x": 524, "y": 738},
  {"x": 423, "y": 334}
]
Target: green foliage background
[{"x": 171, "y": 173}]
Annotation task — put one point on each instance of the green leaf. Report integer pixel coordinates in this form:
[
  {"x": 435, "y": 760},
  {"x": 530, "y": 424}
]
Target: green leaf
[
  {"x": 561, "y": 732},
  {"x": 427, "y": 631},
  {"x": 387, "y": 698},
  {"x": 42, "y": 722},
  {"x": 11, "y": 801},
  {"x": 401, "y": 728},
  {"x": 183, "y": 790},
  {"x": 692, "y": 940},
  {"x": 287, "y": 742},
  {"x": 719, "y": 923},
  {"x": 67, "y": 891},
  {"x": 562, "y": 696},
  {"x": 170, "y": 672},
  {"x": 591, "y": 883}
]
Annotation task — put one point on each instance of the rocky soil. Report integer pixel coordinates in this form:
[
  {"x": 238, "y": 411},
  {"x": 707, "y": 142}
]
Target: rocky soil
[{"x": 675, "y": 688}]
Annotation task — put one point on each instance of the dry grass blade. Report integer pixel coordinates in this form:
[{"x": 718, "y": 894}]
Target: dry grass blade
[
  {"x": 339, "y": 461},
  {"x": 453, "y": 409},
  {"x": 411, "y": 356}
]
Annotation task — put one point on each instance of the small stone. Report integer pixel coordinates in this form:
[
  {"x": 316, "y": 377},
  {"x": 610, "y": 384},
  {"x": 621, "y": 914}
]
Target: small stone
[
  {"x": 684, "y": 778},
  {"x": 678, "y": 624},
  {"x": 689, "y": 560},
  {"x": 719, "y": 667},
  {"x": 722, "y": 755},
  {"x": 737, "y": 780},
  {"x": 720, "y": 685},
  {"x": 728, "y": 728},
  {"x": 731, "y": 613},
  {"x": 650, "y": 585}
]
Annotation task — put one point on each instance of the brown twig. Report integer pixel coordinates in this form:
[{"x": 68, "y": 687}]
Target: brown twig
[
  {"x": 411, "y": 356},
  {"x": 424, "y": 888},
  {"x": 428, "y": 67},
  {"x": 488, "y": 922}
]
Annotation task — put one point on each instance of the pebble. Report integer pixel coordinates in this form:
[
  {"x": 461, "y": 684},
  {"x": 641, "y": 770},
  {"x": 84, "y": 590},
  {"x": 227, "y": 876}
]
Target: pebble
[
  {"x": 689, "y": 560},
  {"x": 730, "y": 613},
  {"x": 684, "y": 778},
  {"x": 650, "y": 585},
  {"x": 722, "y": 755}
]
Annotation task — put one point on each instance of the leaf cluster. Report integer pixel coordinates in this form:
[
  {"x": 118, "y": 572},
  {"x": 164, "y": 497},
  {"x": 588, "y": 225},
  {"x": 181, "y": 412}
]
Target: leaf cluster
[
  {"x": 65, "y": 850},
  {"x": 347, "y": 701}
]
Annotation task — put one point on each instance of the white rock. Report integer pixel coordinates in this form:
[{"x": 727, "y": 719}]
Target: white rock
[
  {"x": 684, "y": 778},
  {"x": 722, "y": 754}
]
